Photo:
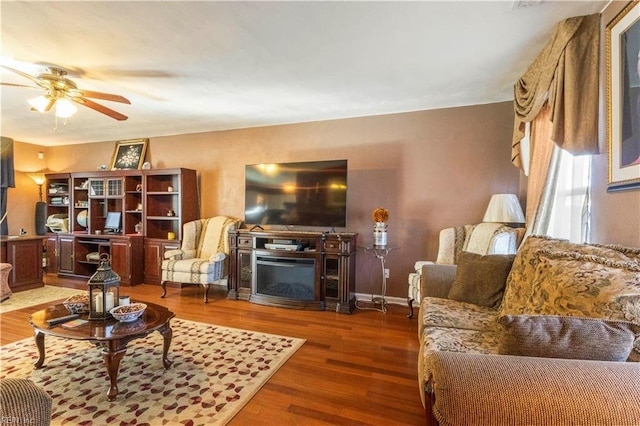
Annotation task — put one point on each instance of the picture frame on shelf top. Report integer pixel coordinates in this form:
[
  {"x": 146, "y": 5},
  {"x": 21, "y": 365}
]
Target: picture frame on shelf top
[{"x": 129, "y": 155}]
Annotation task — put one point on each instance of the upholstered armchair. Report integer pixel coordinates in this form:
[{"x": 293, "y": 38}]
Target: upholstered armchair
[
  {"x": 483, "y": 238},
  {"x": 5, "y": 290},
  {"x": 203, "y": 256}
]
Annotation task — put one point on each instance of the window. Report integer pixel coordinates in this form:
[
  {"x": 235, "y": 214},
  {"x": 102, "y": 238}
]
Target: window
[{"x": 569, "y": 201}]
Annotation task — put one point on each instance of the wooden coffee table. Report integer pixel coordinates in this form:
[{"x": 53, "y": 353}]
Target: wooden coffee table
[{"x": 110, "y": 335}]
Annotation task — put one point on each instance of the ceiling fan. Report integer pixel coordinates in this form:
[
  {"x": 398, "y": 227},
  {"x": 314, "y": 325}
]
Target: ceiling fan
[{"x": 61, "y": 91}]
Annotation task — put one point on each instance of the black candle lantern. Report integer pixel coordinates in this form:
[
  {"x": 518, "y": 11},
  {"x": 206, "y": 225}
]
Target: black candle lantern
[{"x": 104, "y": 290}]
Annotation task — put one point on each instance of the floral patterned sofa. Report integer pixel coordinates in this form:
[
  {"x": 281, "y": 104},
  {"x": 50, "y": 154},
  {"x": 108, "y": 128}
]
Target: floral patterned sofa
[{"x": 549, "y": 335}]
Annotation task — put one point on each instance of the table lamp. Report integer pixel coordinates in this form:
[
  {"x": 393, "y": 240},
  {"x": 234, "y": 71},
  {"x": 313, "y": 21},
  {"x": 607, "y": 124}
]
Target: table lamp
[{"x": 504, "y": 208}]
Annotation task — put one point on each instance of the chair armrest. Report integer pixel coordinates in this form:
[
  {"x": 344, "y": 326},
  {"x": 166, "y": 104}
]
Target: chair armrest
[
  {"x": 489, "y": 389},
  {"x": 420, "y": 263},
  {"x": 217, "y": 257},
  {"x": 436, "y": 280},
  {"x": 178, "y": 254}
]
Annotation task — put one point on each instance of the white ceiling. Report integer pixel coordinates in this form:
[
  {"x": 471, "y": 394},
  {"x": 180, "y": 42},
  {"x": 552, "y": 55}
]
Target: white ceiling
[{"x": 199, "y": 66}]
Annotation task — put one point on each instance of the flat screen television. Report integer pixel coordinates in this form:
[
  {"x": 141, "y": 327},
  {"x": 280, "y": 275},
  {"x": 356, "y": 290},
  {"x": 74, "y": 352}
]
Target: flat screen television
[
  {"x": 112, "y": 222},
  {"x": 310, "y": 194}
]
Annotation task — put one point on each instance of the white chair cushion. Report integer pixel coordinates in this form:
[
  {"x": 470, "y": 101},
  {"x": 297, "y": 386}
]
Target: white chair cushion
[{"x": 193, "y": 271}]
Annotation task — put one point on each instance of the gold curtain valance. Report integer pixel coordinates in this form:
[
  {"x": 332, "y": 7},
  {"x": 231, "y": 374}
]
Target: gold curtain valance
[{"x": 566, "y": 74}]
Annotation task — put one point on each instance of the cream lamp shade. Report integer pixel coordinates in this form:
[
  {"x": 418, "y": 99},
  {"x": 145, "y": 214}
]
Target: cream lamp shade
[{"x": 504, "y": 208}]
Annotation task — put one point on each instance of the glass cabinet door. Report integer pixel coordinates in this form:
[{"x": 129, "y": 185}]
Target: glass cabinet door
[
  {"x": 244, "y": 262},
  {"x": 96, "y": 188},
  {"x": 114, "y": 187}
]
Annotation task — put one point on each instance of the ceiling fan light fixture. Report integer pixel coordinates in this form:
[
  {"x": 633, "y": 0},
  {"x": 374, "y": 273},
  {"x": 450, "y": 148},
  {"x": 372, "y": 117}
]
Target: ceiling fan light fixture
[
  {"x": 39, "y": 104},
  {"x": 61, "y": 91},
  {"x": 65, "y": 109}
]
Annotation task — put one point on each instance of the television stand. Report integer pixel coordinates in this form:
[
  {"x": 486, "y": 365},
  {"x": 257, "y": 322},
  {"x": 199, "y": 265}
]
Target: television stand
[{"x": 294, "y": 269}]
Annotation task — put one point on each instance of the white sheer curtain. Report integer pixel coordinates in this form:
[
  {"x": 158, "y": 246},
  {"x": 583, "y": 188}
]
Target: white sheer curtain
[{"x": 569, "y": 207}]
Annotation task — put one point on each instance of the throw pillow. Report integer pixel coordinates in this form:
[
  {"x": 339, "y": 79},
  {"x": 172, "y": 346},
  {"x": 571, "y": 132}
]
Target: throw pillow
[
  {"x": 567, "y": 337},
  {"x": 575, "y": 284},
  {"x": 520, "y": 281},
  {"x": 480, "y": 279}
]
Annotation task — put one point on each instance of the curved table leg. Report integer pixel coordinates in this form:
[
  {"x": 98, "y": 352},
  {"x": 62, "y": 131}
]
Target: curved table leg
[
  {"x": 164, "y": 288},
  {"x": 112, "y": 355},
  {"x": 206, "y": 293},
  {"x": 167, "y": 334},
  {"x": 410, "y": 303},
  {"x": 39, "y": 336}
]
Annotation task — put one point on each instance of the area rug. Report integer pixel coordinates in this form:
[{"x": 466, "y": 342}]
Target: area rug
[
  {"x": 215, "y": 372},
  {"x": 36, "y": 296}
]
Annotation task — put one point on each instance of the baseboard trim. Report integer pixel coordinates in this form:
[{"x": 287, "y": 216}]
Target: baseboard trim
[{"x": 389, "y": 299}]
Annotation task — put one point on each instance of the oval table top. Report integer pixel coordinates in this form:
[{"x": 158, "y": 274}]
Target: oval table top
[{"x": 153, "y": 318}]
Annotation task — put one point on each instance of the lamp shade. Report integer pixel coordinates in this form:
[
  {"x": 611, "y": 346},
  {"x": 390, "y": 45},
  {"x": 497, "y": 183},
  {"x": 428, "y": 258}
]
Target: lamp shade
[
  {"x": 504, "y": 208},
  {"x": 40, "y": 103},
  {"x": 64, "y": 108}
]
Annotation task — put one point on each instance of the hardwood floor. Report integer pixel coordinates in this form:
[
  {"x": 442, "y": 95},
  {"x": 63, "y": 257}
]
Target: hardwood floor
[{"x": 358, "y": 369}]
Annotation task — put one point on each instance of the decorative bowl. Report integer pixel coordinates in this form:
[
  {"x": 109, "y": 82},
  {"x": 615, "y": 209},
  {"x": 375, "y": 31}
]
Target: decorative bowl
[
  {"x": 77, "y": 304},
  {"x": 128, "y": 313}
]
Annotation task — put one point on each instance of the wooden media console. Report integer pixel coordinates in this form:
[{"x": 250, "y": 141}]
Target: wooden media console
[{"x": 301, "y": 270}]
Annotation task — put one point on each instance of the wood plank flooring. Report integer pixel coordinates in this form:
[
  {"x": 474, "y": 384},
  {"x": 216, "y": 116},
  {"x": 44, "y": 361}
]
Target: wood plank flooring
[{"x": 358, "y": 369}]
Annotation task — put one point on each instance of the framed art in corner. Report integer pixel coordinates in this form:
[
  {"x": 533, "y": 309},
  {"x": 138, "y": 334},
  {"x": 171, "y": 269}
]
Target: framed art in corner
[
  {"x": 129, "y": 154},
  {"x": 623, "y": 98}
]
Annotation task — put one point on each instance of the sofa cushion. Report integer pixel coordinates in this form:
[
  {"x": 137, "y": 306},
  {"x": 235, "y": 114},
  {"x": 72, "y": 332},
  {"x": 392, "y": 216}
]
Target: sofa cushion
[
  {"x": 520, "y": 280},
  {"x": 575, "y": 284},
  {"x": 480, "y": 279},
  {"x": 447, "y": 313},
  {"x": 567, "y": 337},
  {"x": 443, "y": 339},
  {"x": 460, "y": 340}
]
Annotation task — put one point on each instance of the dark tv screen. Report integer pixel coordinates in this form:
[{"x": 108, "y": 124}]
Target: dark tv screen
[{"x": 312, "y": 193}]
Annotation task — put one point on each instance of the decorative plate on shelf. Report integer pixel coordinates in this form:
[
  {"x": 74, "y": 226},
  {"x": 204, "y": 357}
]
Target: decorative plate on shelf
[{"x": 82, "y": 218}]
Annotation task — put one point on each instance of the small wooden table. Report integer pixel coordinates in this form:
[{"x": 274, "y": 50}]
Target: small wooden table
[{"x": 110, "y": 335}]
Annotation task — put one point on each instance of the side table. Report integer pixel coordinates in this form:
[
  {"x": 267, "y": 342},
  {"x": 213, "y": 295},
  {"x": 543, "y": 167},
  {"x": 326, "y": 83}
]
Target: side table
[{"x": 380, "y": 253}]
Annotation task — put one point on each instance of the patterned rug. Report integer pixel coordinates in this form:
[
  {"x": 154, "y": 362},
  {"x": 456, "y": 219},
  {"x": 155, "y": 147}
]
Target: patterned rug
[
  {"x": 215, "y": 372},
  {"x": 48, "y": 293}
]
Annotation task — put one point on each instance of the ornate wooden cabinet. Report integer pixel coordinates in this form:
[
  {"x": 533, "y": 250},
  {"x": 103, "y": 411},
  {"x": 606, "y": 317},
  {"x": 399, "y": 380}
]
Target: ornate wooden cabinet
[{"x": 152, "y": 206}]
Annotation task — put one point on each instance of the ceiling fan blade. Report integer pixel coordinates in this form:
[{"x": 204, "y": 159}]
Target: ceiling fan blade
[
  {"x": 98, "y": 95},
  {"x": 19, "y": 85},
  {"x": 100, "y": 108},
  {"x": 36, "y": 80}
]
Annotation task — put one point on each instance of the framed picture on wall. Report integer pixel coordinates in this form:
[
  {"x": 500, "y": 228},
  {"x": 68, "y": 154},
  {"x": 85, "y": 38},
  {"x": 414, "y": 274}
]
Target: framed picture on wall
[
  {"x": 623, "y": 98},
  {"x": 129, "y": 154}
]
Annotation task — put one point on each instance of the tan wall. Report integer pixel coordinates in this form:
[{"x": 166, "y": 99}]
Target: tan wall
[
  {"x": 431, "y": 169},
  {"x": 615, "y": 216},
  {"x": 21, "y": 200}
]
